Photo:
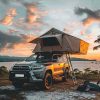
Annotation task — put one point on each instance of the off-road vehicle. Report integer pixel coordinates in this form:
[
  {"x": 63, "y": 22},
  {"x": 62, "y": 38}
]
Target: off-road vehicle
[{"x": 42, "y": 68}]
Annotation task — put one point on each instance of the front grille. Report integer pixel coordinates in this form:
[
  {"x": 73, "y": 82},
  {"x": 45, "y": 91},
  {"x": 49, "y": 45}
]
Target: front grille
[{"x": 21, "y": 68}]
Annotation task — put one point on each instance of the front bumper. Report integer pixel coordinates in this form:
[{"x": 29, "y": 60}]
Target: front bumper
[
  {"x": 12, "y": 76},
  {"x": 28, "y": 77}
]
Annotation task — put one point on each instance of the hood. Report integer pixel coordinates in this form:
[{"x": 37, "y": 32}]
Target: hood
[
  {"x": 31, "y": 64},
  {"x": 28, "y": 63}
]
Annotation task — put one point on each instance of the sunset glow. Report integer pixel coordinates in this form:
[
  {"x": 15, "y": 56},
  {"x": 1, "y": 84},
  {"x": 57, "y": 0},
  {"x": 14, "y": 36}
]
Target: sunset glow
[{"x": 23, "y": 21}]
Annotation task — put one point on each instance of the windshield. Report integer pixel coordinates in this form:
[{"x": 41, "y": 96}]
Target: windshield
[
  {"x": 41, "y": 58},
  {"x": 31, "y": 58},
  {"x": 44, "y": 58}
]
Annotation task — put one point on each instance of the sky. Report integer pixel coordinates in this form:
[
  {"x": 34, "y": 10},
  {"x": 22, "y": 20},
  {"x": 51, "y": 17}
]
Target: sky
[{"x": 23, "y": 20}]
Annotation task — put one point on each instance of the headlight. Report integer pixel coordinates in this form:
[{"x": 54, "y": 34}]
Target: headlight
[
  {"x": 38, "y": 67},
  {"x": 41, "y": 67}
]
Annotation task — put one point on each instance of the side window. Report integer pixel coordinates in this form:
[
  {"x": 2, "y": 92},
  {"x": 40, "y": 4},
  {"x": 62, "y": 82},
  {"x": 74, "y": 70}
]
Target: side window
[
  {"x": 55, "y": 58},
  {"x": 60, "y": 59},
  {"x": 64, "y": 58}
]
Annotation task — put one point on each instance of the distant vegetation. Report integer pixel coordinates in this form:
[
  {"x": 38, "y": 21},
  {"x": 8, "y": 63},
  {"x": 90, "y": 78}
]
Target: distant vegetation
[
  {"x": 12, "y": 59},
  {"x": 3, "y": 72},
  {"x": 87, "y": 74},
  {"x": 80, "y": 59}
]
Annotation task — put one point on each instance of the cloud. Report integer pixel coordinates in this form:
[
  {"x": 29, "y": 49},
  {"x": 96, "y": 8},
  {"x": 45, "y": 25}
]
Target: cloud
[
  {"x": 72, "y": 26},
  {"x": 32, "y": 13},
  {"x": 8, "y": 19},
  {"x": 92, "y": 16},
  {"x": 33, "y": 19},
  {"x": 9, "y": 41},
  {"x": 24, "y": 48},
  {"x": 16, "y": 45},
  {"x": 5, "y": 1}
]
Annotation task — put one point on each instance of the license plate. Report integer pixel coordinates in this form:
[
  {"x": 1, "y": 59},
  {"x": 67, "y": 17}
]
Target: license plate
[{"x": 19, "y": 75}]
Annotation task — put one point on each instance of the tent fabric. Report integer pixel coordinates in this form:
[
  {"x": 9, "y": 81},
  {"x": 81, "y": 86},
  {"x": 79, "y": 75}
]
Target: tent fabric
[
  {"x": 57, "y": 36},
  {"x": 67, "y": 43}
]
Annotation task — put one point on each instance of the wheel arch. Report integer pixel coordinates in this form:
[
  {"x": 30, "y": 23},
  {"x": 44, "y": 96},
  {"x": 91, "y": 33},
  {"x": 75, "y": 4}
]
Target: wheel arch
[{"x": 49, "y": 71}]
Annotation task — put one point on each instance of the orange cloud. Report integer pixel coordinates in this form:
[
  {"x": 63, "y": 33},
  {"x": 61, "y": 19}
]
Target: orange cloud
[
  {"x": 25, "y": 47},
  {"x": 32, "y": 13},
  {"x": 8, "y": 19},
  {"x": 90, "y": 20},
  {"x": 21, "y": 49},
  {"x": 33, "y": 18}
]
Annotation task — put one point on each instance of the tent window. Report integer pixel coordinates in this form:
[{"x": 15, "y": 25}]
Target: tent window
[{"x": 51, "y": 41}]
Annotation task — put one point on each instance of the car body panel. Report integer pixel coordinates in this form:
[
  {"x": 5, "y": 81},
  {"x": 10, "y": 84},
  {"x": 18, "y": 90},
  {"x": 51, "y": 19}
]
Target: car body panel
[{"x": 36, "y": 71}]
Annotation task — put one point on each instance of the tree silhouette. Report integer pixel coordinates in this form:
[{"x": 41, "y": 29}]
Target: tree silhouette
[{"x": 97, "y": 41}]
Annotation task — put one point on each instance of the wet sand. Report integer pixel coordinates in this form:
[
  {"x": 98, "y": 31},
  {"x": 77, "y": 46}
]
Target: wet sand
[{"x": 60, "y": 91}]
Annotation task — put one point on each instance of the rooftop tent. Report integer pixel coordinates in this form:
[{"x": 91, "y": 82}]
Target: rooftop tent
[
  {"x": 51, "y": 40},
  {"x": 58, "y": 41}
]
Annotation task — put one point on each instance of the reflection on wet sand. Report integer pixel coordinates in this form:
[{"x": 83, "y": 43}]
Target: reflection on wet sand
[
  {"x": 34, "y": 92},
  {"x": 10, "y": 93}
]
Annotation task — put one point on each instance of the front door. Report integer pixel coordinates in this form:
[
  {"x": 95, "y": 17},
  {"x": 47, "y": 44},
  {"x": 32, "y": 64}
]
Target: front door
[{"x": 58, "y": 67}]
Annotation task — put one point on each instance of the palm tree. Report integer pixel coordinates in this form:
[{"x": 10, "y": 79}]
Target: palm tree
[{"x": 97, "y": 41}]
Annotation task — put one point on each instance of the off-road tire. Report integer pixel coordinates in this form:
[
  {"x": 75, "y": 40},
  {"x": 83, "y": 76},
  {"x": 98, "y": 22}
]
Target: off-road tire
[{"x": 48, "y": 81}]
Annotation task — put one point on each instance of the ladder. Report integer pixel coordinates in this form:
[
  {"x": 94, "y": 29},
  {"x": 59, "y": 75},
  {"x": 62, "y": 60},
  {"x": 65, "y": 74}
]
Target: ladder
[{"x": 73, "y": 76}]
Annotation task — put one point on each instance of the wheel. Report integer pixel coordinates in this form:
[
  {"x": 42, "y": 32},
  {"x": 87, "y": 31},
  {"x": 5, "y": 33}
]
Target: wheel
[
  {"x": 65, "y": 76},
  {"x": 47, "y": 82},
  {"x": 17, "y": 84}
]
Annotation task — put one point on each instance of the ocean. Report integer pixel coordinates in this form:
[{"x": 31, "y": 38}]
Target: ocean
[{"x": 81, "y": 65}]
